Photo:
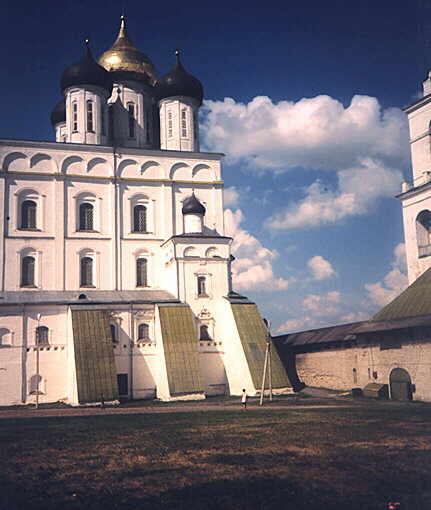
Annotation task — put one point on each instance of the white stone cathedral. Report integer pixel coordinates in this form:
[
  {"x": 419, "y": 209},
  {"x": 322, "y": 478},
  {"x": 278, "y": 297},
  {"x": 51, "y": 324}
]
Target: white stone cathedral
[{"x": 114, "y": 266}]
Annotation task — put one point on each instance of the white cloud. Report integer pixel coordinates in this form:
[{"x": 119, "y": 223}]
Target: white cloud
[
  {"x": 291, "y": 325},
  {"x": 316, "y": 132},
  {"x": 394, "y": 282},
  {"x": 320, "y": 268},
  {"x": 230, "y": 197},
  {"x": 358, "y": 189},
  {"x": 363, "y": 143},
  {"x": 319, "y": 311},
  {"x": 326, "y": 304},
  {"x": 252, "y": 268}
]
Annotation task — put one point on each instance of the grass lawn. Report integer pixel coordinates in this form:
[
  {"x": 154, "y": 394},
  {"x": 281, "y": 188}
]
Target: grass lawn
[{"x": 359, "y": 458}]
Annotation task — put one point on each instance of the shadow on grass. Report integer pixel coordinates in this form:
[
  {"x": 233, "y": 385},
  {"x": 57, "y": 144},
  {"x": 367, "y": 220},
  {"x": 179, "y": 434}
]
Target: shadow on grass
[{"x": 261, "y": 493}]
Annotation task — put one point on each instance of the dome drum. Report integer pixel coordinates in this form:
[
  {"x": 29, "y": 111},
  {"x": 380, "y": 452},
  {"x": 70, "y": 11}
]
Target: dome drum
[{"x": 58, "y": 114}]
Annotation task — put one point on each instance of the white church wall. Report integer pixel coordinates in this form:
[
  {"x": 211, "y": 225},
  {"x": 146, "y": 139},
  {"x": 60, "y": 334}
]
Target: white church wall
[
  {"x": 145, "y": 370},
  {"x": 10, "y": 374},
  {"x": 235, "y": 363},
  {"x": 39, "y": 189},
  {"x": 412, "y": 206},
  {"x": 419, "y": 125},
  {"x": 211, "y": 364},
  {"x": 44, "y": 253},
  {"x": 100, "y": 251},
  {"x": 11, "y": 357}
]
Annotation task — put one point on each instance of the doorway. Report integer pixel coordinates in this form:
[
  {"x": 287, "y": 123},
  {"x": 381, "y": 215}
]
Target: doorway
[
  {"x": 401, "y": 384},
  {"x": 123, "y": 385}
]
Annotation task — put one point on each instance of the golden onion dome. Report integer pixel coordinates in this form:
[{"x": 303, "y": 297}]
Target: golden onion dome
[{"x": 126, "y": 61}]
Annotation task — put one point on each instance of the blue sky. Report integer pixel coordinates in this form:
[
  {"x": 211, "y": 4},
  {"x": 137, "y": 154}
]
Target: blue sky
[{"x": 316, "y": 142}]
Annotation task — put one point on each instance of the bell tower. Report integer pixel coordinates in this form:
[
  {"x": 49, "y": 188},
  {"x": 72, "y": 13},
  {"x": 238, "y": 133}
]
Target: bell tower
[{"x": 416, "y": 195}]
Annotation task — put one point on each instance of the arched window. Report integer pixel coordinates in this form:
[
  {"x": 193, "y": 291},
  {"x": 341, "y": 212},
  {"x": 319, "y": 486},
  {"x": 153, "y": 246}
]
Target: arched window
[
  {"x": 42, "y": 335},
  {"x": 184, "y": 123},
  {"x": 169, "y": 124},
  {"x": 202, "y": 291},
  {"x": 131, "y": 112},
  {"x": 141, "y": 273},
  {"x": 28, "y": 214},
  {"x": 37, "y": 385},
  {"x": 204, "y": 333},
  {"x": 143, "y": 332},
  {"x": 139, "y": 218},
  {"x": 5, "y": 337},
  {"x": 86, "y": 217},
  {"x": 27, "y": 271},
  {"x": 113, "y": 329},
  {"x": 86, "y": 272},
  {"x": 74, "y": 117},
  {"x": 423, "y": 231},
  {"x": 90, "y": 126}
]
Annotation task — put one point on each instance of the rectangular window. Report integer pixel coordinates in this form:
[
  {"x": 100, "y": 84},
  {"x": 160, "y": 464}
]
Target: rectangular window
[
  {"x": 169, "y": 124},
  {"x": 184, "y": 123},
  {"x": 131, "y": 110},
  {"x": 74, "y": 117},
  {"x": 90, "y": 126},
  {"x": 202, "y": 291},
  {"x": 141, "y": 273},
  {"x": 86, "y": 272}
]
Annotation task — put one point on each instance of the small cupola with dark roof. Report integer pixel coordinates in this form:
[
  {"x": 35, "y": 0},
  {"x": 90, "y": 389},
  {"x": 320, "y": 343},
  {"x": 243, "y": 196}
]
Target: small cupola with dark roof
[
  {"x": 86, "y": 72},
  {"x": 193, "y": 214},
  {"x": 178, "y": 82},
  {"x": 179, "y": 95}
]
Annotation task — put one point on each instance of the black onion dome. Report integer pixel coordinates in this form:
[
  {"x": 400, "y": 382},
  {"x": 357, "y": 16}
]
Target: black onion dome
[
  {"x": 86, "y": 72},
  {"x": 191, "y": 205},
  {"x": 58, "y": 114},
  {"x": 179, "y": 82}
]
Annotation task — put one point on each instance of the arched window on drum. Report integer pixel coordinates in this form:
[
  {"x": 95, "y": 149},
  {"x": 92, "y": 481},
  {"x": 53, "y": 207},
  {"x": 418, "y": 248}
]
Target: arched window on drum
[{"x": 423, "y": 233}]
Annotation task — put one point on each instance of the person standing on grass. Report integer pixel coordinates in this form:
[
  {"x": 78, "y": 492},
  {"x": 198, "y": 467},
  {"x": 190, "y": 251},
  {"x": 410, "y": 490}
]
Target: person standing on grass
[{"x": 244, "y": 399}]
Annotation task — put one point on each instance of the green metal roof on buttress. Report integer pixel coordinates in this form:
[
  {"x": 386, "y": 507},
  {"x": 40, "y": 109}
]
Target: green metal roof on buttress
[{"x": 415, "y": 300}]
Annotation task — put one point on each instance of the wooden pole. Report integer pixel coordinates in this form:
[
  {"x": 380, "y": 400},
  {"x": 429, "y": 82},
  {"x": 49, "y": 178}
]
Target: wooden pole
[
  {"x": 264, "y": 376},
  {"x": 269, "y": 361}
]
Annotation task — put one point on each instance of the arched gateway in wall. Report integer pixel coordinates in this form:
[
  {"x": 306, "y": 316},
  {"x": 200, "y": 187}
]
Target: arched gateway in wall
[{"x": 401, "y": 384}]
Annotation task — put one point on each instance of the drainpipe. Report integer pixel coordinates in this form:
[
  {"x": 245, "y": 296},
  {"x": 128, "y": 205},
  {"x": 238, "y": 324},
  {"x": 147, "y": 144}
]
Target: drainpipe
[
  {"x": 115, "y": 164},
  {"x": 24, "y": 356},
  {"x": 132, "y": 344}
]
